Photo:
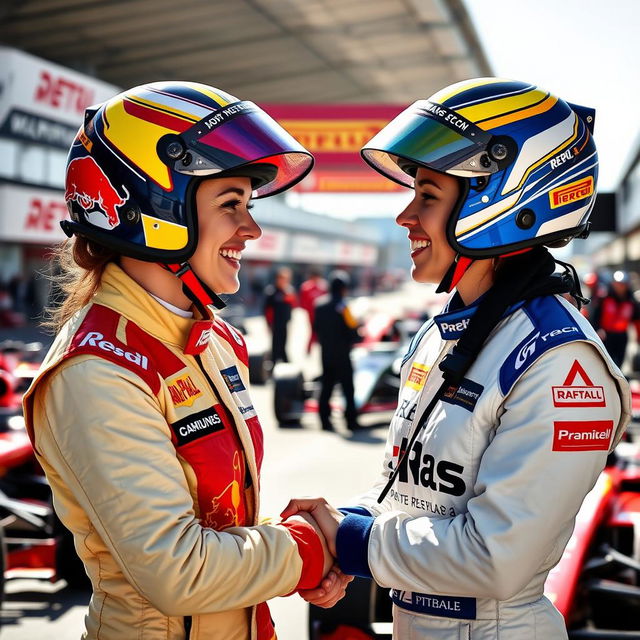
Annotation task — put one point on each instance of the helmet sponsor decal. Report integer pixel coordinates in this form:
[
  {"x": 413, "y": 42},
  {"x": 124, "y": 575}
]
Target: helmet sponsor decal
[
  {"x": 572, "y": 192},
  {"x": 448, "y": 117},
  {"x": 582, "y": 435},
  {"x": 183, "y": 391},
  {"x": 224, "y": 115},
  {"x": 89, "y": 187},
  {"x": 572, "y": 395},
  {"x": 563, "y": 157}
]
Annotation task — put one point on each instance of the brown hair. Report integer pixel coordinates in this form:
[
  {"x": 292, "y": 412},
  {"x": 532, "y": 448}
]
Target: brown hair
[{"x": 77, "y": 268}]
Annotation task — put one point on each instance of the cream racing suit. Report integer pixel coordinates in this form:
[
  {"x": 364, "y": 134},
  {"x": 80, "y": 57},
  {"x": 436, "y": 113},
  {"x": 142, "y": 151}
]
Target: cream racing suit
[
  {"x": 487, "y": 502},
  {"x": 144, "y": 426}
]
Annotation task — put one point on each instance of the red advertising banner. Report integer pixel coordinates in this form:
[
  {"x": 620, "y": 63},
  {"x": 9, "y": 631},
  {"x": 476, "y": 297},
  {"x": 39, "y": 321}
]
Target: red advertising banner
[{"x": 334, "y": 134}]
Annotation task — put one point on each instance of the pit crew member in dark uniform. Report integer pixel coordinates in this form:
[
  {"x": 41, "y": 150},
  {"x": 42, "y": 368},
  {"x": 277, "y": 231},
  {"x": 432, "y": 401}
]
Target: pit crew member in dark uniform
[
  {"x": 509, "y": 403},
  {"x": 141, "y": 415},
  {"x": 280, "y": 299},
  {"x": 337, "y": 331}
]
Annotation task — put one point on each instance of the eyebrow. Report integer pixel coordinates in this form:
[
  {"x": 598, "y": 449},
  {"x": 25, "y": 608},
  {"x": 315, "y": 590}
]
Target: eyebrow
[
  {"x": 235, "y": 190},
  {"x": 425, "y": 181}
]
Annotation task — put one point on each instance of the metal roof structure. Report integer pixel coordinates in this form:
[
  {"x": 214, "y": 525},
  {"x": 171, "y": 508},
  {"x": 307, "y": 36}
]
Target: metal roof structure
[{"x": 313, "y": 51}]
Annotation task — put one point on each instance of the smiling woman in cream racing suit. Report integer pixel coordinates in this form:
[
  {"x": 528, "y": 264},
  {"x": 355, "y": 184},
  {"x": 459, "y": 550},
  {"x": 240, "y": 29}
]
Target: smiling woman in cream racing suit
[
  {"x": 141, "y": 415},
  {"x": 508, "y": 401}
]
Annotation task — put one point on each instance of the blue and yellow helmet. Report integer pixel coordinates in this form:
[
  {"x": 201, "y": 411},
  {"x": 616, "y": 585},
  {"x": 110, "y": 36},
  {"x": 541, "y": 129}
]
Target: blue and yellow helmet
[
  {"x": 133, "y": 168},
  {"x": 527, "y": 161}
]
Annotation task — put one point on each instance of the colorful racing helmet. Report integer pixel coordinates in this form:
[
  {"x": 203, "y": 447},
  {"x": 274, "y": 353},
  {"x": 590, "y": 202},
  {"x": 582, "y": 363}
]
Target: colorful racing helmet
[
  {"x": 133, "y": 168},
  {"x": 527, "y": 160}
]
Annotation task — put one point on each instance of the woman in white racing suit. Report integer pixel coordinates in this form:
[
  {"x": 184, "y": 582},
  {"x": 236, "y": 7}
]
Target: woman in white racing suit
[
  {"x": 509, "y": 403},
  {"x": 141, "y": 415}
]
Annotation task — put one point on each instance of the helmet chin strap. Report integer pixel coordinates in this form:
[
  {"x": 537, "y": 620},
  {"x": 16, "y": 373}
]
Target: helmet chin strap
[
  {"x": 457, "y": 269},
  {"x": 194, "y": 288}
]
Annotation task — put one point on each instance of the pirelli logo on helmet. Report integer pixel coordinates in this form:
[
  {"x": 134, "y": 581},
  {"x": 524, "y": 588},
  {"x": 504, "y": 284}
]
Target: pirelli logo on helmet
[{"x": 572, "y": 192}]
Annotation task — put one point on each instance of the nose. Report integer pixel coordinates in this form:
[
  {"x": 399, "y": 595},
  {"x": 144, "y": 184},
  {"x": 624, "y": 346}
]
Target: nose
[
  {"x": 250, "y": 228},
  {"x": 407, "y": 217}
]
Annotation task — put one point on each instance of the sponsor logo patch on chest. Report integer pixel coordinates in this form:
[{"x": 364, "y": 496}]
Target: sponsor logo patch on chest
[
  {"x": 198, "y": 425},
  {"x": 183, "y": 391},
  {"x": 465, "y": 395},
  {"x": 571, "y": 394},
  {"x": 582, "y": 435}
]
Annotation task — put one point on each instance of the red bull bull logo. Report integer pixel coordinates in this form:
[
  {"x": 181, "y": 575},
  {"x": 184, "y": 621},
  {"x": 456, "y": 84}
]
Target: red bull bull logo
[{"x": 88, "y": 186}]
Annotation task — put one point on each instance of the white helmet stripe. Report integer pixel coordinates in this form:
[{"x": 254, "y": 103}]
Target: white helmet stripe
[
  {"x": 538, "y": 147},
  {"x": 568, "y": 221}
]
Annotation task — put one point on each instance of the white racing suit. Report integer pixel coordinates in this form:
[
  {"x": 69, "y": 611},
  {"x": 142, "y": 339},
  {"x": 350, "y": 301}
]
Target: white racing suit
[{"x": 487, "y": 502}]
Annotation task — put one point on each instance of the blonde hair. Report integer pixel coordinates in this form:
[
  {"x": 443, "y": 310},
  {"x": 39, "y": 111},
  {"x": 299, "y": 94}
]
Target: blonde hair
[{"x": 77, "y": 268}]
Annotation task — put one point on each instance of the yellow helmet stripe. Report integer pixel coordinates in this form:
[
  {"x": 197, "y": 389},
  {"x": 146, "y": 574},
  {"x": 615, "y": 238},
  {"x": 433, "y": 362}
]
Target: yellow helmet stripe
[
  {"x": 163, "y": 108},
  {"x": 496, "y": 107},
  {"x": 162, "y": 234},
  {"x": 461, "y": 87},
  {"x": 520, "y": 114}
]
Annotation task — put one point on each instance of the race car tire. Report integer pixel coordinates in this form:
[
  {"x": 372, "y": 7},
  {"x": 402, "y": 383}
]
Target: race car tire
[
  {"x": 260, "y": 366},
  {"x": 288, "y": 394}
]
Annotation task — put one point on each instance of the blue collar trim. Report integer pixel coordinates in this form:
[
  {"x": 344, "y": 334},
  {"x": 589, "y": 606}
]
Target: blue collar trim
[{"x": 455, "y": 317}]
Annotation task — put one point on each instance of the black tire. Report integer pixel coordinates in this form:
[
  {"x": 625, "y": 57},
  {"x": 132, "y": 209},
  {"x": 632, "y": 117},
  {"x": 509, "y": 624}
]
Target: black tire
[
  {"x": 288, "y": 394},
  {"x": 260, "y": 366}
]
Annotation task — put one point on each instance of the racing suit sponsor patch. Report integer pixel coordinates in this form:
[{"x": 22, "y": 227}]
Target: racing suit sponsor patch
[
  {"x": 465, "y": 395},
  {"x": 435, "y": 605},
  {"x": 183, "y": 391},
  {"x": 422, "y": 469},
  {"x": 232, "y": 379},
  {"x": 573, "y": 395},
  {"x": 582, "y": 435},
  {"x": 198, "y": 425},
  {"x": 234, "y": 383},
  {"x": 417, "y": 376}
]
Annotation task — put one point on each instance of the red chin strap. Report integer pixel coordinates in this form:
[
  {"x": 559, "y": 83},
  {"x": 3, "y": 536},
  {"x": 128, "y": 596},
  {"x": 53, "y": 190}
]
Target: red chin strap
[
  {"x": 194, "y": 288},
  {"x": 459, "y": 267}
]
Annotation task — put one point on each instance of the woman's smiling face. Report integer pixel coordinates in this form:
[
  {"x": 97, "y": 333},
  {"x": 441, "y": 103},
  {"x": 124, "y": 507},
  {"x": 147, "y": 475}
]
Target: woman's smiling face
[
  {"x": 426, "y": 218},
  {"x": 224, "y": 226}
]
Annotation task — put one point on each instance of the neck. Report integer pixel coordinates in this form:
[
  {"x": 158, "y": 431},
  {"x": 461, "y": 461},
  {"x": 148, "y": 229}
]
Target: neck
[
  {"x": 156, "y": 280},
  {"x": 478, "y": 279}
]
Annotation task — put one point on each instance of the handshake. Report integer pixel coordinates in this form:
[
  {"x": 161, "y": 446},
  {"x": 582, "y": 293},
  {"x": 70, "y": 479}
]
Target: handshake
[{"x": 325, "y": 519}]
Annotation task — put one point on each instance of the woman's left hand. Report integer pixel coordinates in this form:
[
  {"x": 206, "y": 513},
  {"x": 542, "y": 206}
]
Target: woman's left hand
[{"x": 332, "y": 588}]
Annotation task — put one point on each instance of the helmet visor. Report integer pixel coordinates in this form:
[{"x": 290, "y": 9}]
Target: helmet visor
[
  {"x": 430, "y": 135},
  {"x": 242, "y": 134}
]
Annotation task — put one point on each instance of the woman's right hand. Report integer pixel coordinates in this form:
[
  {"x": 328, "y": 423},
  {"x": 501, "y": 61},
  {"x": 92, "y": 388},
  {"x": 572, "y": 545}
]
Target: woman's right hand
[{"x": 328, "y": 558}]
